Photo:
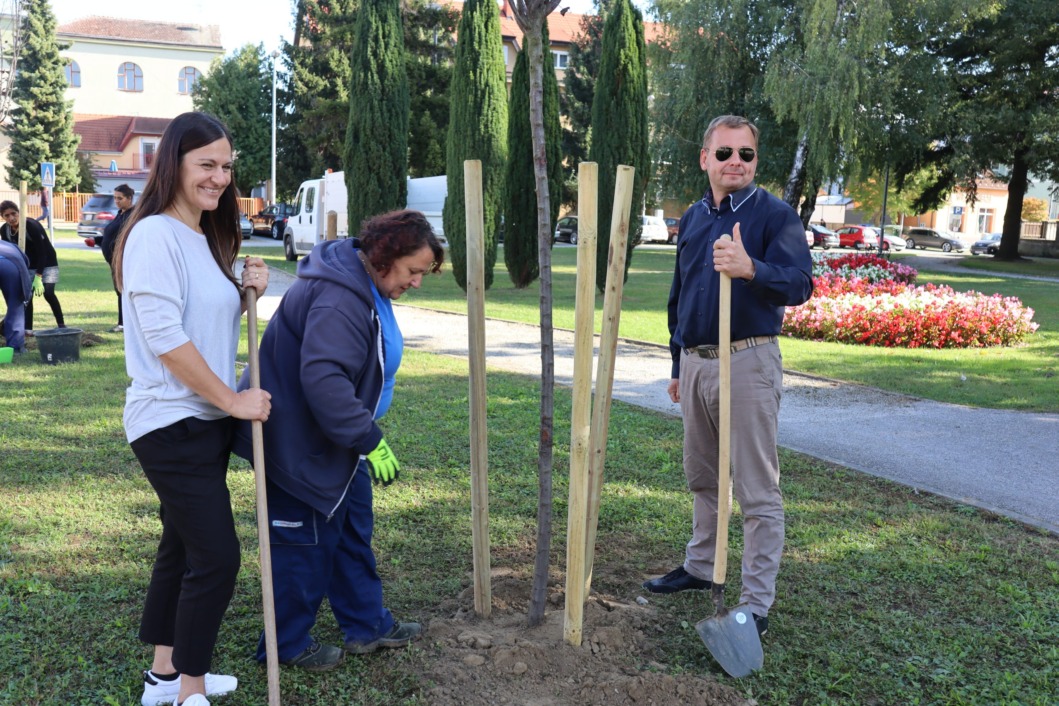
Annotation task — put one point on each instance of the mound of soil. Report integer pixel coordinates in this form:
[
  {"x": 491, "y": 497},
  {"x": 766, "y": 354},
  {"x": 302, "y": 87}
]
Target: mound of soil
[{"x": 478, "y": 662}]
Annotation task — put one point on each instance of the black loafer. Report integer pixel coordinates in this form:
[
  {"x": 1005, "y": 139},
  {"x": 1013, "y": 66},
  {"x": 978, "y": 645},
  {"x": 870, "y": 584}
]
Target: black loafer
[
  {"x": 761, "y": 622},
  {"x": 675, "y": 581}
]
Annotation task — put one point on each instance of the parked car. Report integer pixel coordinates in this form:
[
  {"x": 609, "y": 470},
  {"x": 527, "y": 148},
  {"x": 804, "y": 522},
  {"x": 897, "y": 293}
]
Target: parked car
[
  {"x": 245, "y": 226},
  {"x": 673, "y": 226},
  {"x": 892, "y": 241},
  {"x": 273, "y": 219},
  {"x": 566, "y": 229},
  {"x": 823, "y": 237},
  {"x": 858, "y": 237},
  {"x": 654, "y": 230},
  {"x": 933, "y": 238},
  {"x": 989, "y": 244},
  {"x": 96, "y": 215}
]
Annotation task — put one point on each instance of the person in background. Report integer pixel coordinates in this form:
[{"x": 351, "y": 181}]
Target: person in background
[
  {"x": 335, "y": 329},
  {"x": 173, "y": 265},
  {"x": 769, "y": 262},
  {"x": 16, "y": 283},
  {"x": 123, "y": 200},
  {"x": 45, "y": 207},
  {"x": 42, "y": 261}
]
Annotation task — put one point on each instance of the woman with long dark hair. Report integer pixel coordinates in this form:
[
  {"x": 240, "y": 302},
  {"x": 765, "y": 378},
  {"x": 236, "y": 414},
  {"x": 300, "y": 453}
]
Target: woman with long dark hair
[{"x": 173, "y": 264}]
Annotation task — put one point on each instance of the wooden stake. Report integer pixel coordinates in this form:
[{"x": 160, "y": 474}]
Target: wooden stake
[
  {"x": 331, "y": 231},
  {"x": 580, "y": 416},
  {"x": 264, "y": 546},
  {"x": 22, "y": 215},
  {"x": 608, "y": 346},
  {"x": 472, "y": 181}
]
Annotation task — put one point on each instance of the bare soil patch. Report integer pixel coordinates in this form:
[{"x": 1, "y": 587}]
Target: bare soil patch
[{"x": 475, "y": 662}]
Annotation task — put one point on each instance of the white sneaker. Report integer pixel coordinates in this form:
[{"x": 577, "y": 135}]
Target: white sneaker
[
  {"x": 196, "y": 700},
  {"x": 156, "y": 691}
]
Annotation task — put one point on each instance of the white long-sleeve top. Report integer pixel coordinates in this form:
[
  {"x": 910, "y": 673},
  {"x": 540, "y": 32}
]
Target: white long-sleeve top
[{"x": 173, "y": 293}]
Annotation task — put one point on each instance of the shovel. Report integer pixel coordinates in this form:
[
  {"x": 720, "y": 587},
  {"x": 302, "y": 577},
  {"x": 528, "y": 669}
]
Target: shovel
[
  {"x": 730, "y": 635},
  {"x": 268, "y": 601}
]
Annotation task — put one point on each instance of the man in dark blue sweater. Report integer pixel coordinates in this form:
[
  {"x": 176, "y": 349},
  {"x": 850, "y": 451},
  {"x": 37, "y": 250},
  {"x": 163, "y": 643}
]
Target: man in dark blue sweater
[{"x": 771, "y": 268}]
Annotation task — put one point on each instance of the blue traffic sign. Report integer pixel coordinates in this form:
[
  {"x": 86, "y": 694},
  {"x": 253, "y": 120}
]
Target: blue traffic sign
[{"x": 47, "y": 174}]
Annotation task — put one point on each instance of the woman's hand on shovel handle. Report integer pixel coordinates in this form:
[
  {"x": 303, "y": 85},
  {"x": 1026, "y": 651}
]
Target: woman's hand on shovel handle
[{"x": 254, "y": 404}]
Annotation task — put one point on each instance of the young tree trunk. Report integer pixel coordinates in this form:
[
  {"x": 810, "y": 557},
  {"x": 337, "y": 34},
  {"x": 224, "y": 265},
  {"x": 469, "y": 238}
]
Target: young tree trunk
[{"x": 530, "y": 16}]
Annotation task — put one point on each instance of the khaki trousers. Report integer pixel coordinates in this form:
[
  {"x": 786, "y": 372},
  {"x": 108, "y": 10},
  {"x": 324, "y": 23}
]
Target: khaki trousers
[{"x": 757, "y": 380}]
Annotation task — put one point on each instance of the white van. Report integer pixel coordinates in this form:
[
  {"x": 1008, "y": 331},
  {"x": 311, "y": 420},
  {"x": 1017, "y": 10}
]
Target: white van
[{"x": 307, "y": 226}]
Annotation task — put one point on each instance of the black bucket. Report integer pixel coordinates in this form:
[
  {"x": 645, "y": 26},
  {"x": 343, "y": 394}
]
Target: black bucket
[{"x": 59, "y": 345}]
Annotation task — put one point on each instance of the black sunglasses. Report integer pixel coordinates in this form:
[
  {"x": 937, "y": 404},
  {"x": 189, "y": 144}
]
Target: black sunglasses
[{"x": 723, "y": 154}]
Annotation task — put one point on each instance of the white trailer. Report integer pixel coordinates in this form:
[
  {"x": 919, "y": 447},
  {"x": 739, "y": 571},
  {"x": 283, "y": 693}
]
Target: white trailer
[{"x": 318, "y": 197}]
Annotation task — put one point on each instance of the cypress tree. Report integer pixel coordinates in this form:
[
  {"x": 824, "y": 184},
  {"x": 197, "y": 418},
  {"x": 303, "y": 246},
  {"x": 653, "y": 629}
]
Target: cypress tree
[
  {"x": 376, "y": 155},
  {"x": 520, "y": 192},
  {"x": 42, "y": 121},
  {"x": 619, "y": 123},
  {"x": 477, "y": 130}
]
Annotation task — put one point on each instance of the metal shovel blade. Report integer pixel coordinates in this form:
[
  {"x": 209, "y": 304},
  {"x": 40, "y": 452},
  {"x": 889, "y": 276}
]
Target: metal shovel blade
[{"x": 731, "y": 637}]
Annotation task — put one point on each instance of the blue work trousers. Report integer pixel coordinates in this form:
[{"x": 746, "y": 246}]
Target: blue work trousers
[
  {"x": 313, "y": 557},
  {"x": 15, "y": 318}
]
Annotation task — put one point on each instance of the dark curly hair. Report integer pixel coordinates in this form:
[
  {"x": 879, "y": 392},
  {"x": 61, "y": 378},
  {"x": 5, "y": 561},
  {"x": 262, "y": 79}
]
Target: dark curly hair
[{"x": 388, "y": 237}]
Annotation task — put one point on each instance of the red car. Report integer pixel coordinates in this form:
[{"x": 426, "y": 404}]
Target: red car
[{"x": 858, "y": 237}]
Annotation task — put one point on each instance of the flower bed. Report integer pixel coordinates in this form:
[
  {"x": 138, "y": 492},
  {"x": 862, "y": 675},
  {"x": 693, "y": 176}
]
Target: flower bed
[{"x": 868, "y": 300}]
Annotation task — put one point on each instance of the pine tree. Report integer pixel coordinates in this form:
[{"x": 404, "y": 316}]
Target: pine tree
[
  {"x": 42, "y": 123},
  {"x": 575, "y": 102},
  {"x": 429, "y": 30},
  {"x": 477, "y": 130},
  {"x": 619, "y": 123},
  {"x": 376, "y": 154},
  {"x": 316, "y": 93},
  {"x": 520, "y": 193},
  {"x": 238, "y": 90}
]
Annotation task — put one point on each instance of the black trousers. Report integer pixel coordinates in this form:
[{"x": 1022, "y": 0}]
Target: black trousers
[
  {"x": 53, "y": 302},
  {"x": 198, "y": 556}
]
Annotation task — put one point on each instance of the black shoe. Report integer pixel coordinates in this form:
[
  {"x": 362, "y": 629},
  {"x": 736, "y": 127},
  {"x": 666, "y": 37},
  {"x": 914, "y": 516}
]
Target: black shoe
[
  {"x": 761, "y": 622},
  {"x": 400, "y": 635},
  {"x": 317, "y": 658},
  {"x": 677, "y": 580}
]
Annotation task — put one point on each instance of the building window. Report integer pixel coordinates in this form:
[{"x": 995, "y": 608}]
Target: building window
[
  {"x": 507, "y": 62},
  {"x": 73, "y": 74},
  {"x": 147, "y": 149},
  {"x": 186, "y": 80},
  {"x": 130, "y": 77},
  {"x": 985, "y": 220},
  {"x": 561, "y": 59}
]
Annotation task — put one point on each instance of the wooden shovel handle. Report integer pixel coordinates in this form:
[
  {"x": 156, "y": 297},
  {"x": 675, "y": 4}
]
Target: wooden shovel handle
[
  {"x": 268, "y": 601},
  {"x": 724, "y": 431}
]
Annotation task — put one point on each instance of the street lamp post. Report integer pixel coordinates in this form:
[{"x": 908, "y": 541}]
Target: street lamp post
[{"x": 272, "y": 182}]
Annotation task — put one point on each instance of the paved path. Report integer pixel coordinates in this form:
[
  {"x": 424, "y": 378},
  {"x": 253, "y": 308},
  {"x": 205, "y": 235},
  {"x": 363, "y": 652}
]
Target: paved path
[{"x": 1007, "y": 462}]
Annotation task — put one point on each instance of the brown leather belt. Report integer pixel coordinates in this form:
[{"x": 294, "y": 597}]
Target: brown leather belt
[{"x": 740, "y": 345}]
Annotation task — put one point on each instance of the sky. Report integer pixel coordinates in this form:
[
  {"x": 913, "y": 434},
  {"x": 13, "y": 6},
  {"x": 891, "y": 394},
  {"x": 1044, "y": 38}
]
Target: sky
[{"x": 241, "y": 21}]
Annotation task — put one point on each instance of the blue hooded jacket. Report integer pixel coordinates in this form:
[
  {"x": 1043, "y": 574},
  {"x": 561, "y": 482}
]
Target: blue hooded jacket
[{"x": 322, "y": 361}]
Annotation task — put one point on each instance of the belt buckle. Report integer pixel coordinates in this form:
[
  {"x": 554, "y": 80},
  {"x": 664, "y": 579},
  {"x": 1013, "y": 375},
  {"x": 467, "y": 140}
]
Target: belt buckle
[{"x": 707, "y": 351}]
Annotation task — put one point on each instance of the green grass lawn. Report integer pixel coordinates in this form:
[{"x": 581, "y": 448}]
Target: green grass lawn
[
  {"x": 1020, "y": 378},
  {"x": 886, "y": 596}
]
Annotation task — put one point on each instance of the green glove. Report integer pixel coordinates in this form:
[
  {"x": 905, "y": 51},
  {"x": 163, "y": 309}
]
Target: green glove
[
  {"x": 38, "y": 286},
  {"x": 384, "y": 466}
]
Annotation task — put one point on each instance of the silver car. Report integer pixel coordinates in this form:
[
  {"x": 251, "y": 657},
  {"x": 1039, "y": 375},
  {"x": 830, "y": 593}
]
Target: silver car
[{"x": 654, "y": 230}]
